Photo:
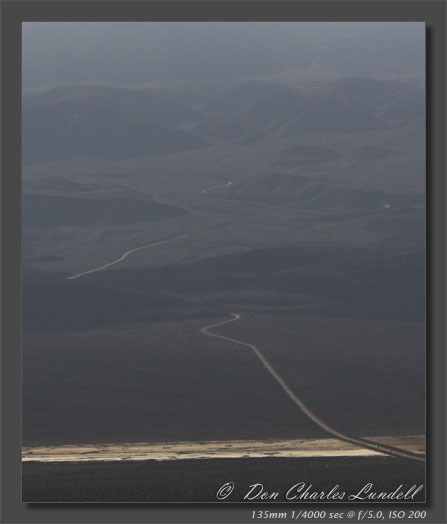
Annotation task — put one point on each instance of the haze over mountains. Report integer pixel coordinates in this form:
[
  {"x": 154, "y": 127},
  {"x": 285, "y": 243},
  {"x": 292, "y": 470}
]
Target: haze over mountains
[
  {"x": 136, "y": 53},
  {"x": 289, "y": 159}
]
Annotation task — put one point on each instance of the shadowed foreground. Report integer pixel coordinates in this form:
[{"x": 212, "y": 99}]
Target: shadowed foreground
[{"x": 199, "y": 480}]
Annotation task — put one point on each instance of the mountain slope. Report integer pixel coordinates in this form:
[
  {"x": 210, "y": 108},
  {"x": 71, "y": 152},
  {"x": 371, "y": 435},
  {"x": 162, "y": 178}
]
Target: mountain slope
[
  {"x": 103, "y": 122},
  {"x": 348, "y": 105}
]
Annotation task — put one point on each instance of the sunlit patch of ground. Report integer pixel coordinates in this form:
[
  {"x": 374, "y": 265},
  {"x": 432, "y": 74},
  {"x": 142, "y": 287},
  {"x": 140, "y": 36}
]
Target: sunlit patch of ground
[{"x": 329, "y": 447}]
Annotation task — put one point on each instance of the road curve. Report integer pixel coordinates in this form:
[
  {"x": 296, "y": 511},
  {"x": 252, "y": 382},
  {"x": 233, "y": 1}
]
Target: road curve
[
  {"x": 388, "y": 450},
  {"x": 125, "y": 255},
  {"x": 217, "y": 187}
]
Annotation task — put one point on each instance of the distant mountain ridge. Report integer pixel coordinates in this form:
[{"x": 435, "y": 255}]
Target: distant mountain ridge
[
  {"x": 349, "y": 105},
  {"x": 117, "y": 123}
]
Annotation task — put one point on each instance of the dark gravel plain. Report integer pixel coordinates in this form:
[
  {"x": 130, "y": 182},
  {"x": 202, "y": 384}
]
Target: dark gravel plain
[{"x": 200, "y": 480}]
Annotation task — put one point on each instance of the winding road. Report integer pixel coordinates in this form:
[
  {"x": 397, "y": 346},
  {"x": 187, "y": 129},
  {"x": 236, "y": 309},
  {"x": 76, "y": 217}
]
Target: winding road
[
  {"x": 217, "y": 187},
  {"x": 124, "y": 256},
  {"x": 365, "y": 443}
]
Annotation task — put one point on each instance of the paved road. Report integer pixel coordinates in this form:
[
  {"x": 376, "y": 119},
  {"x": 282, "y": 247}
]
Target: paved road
[
  {"x": 382, "y": 448},
  {"x": 125, "y": 255},
  {"x": 217, "y": 187}
]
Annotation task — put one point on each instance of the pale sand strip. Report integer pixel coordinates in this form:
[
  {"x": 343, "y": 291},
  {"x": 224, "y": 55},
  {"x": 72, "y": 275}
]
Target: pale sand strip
[{"x": 300, "y": 448}]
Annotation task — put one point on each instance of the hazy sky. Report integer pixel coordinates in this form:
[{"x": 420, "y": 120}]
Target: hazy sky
[{"x": 140, "y": 52}]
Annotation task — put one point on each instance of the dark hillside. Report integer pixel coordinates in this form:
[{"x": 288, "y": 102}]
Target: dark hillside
[{"x": 44, "y": 211}]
